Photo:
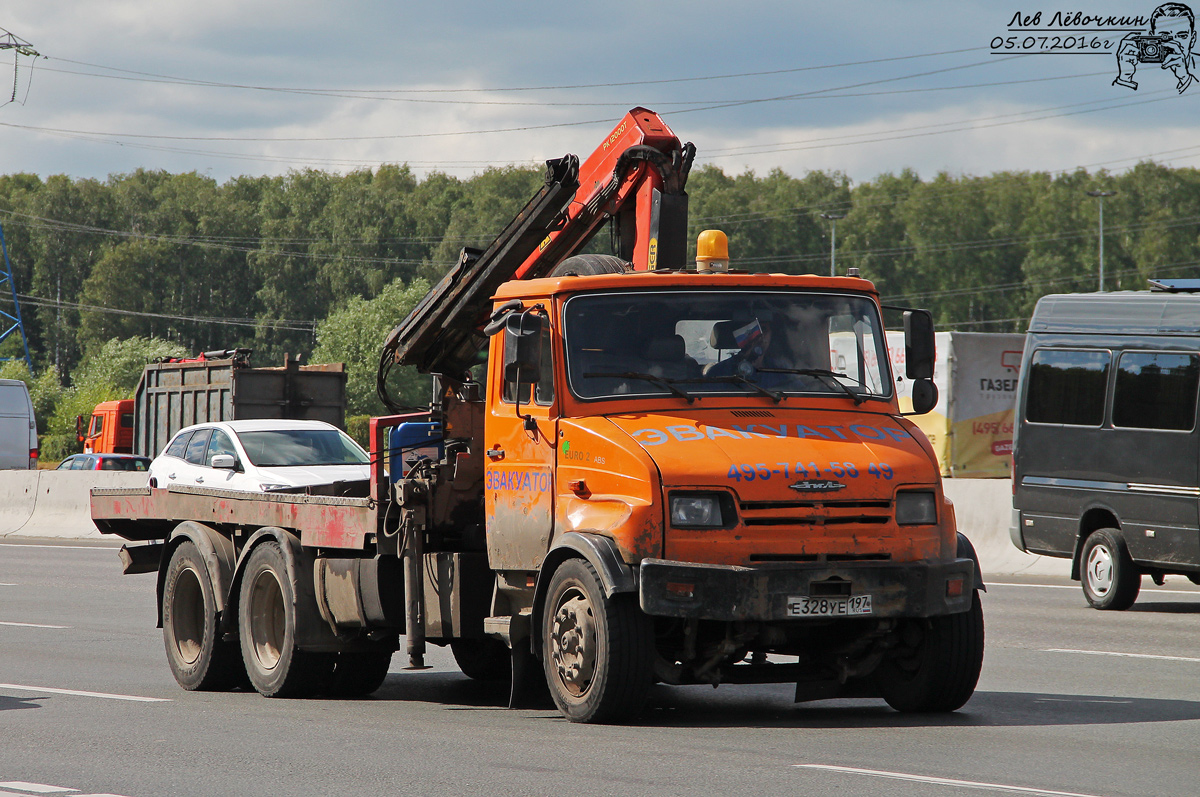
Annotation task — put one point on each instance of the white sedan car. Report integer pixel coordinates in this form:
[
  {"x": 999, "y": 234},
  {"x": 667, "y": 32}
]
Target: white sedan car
[{"x": 260, "y": 456}]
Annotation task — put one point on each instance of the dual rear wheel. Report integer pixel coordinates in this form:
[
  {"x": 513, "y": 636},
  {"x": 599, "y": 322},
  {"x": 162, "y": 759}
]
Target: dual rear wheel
[{"x": 266, "y": 655}]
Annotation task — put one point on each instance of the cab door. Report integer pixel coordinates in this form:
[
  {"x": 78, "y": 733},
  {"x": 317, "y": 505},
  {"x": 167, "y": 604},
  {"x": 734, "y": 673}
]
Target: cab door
[{"x": 519, "y": 460}]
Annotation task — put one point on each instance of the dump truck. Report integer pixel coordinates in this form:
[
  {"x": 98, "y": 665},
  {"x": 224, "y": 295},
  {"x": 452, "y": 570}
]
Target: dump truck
[
  {"x": 218, "y": 385},
  {"x": 633, "y": 470}
]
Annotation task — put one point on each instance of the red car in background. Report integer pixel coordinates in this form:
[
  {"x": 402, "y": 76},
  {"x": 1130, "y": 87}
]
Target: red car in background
[{"x": 104, "y": 462}]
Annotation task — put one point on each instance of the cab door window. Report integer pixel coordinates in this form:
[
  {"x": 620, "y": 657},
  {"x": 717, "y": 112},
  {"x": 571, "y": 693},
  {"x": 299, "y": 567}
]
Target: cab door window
[{"x": 544, "y": 392}]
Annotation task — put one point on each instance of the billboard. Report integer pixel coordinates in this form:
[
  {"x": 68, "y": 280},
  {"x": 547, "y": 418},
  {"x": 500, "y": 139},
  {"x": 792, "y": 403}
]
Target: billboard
[{"x": 971, "y": 428}]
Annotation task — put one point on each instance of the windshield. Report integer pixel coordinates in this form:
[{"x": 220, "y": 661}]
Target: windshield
[
  {"x": 776, "y": 344},
  {"x": 288, "y": 447}
]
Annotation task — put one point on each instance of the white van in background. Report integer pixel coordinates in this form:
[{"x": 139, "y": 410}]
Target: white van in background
[{"x": 18, "y": 428}]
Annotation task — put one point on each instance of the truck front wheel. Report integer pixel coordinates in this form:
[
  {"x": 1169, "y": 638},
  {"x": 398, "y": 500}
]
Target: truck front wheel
[
  {"x": 199, "y": 660},
  {"x": 937, "y": 664},
  {"x": 267, "y": 630},
  {"x": 597, "y": 651}
]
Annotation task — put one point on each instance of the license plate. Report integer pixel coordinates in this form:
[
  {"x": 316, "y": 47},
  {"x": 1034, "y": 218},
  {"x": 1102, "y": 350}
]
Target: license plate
[{"x": 829, "y": 607}]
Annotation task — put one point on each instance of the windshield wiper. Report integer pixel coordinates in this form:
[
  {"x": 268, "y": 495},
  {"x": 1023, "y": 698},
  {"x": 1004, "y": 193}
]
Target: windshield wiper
[
  {"x": 776, "y": 397},
  {"x": 657, "y": 380},
  {"x": 825, "y": 375}
]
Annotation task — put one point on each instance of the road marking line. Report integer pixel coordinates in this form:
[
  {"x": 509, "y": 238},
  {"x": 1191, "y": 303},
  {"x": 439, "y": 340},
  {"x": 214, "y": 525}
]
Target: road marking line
[
  {"x": 40, "y": 788},
  {"x": 1122, "y": 655},
  {"x": 78, "y": 693},
  {"x": 1193, "y": 592},
  {"x": 6, "y": 584},
  {"x": 969, "y": 784},
  {"x": 33, "y": 625}
]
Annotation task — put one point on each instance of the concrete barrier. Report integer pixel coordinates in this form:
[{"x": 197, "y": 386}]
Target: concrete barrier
[
  {"x": 983, "y": 508},
  {"x": 18, "y": 492},
  {"x": 54, "y": 503}
]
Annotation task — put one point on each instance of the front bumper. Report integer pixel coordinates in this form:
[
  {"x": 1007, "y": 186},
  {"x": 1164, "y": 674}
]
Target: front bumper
[{"x": 762, "y": 592}]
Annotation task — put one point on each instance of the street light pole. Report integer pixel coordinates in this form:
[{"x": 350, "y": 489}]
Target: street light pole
[
  {"x": 1100, "y": 195},
  {"x": 832, "y": 218}
]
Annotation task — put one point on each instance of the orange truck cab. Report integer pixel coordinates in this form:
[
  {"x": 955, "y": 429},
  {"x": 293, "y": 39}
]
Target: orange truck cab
[
  {"x": 109, "y": 430},
  {"x": 730, "y": 450}
]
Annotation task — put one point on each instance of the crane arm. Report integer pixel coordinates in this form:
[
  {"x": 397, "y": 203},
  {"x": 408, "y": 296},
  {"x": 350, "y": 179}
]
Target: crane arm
[{"x": 635, "y": 177}]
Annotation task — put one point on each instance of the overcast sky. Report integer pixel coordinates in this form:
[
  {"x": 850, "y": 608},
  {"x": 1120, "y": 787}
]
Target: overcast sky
[{"x": 229, "y": 87}]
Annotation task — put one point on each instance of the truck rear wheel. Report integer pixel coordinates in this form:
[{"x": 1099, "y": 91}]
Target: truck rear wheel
[
  {"x": 483, "y": 659},
  {"x": 267, "y": 630},
  {"x": 1110, "y": 578},
  {"x": 938, "y": 664},
  {"x": 359, "y": 673},
  {"x": 597, "y": 651},
  {"x": 198, "y": 658}
]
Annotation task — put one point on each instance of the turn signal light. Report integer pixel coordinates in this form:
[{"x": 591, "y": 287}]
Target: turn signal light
[{"x": 954, "y": 587}]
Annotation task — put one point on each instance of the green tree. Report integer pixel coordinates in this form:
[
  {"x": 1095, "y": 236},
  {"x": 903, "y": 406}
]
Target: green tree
[{"x": 354, "y": 334}]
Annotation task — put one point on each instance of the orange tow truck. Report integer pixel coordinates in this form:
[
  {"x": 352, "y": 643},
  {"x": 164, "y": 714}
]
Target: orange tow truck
[{"x": 633, "y": 470}]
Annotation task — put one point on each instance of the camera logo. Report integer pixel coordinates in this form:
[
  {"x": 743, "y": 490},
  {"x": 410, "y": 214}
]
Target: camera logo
[{"x": 1168, "y": 45}]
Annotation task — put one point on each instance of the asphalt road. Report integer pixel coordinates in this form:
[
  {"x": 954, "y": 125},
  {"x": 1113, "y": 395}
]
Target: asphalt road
[{"x": 1071, "y": 701}]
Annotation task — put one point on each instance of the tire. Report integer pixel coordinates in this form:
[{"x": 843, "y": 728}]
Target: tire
[
  {"x": 1110, "y": 578},
  {"x": 267, "y": 631},
  {"x": 483, "y": 659},
  {"x": 937, "y": 667},
  {"x": 198, "y": 659},
  {"x": 359, "y": 674},
  {"x": 597, "y": 651},
  {"x": 588, "y": 265}
]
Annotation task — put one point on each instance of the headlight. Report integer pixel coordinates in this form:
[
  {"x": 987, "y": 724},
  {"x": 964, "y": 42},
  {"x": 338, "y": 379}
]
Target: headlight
[
  {"x": 916, "y": 509},
  {"x": 698, "y": 510},
  {"x": 268, "y": 487}
]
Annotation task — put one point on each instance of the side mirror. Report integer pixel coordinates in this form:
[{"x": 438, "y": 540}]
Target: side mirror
[
  {"x": 523, "y": 347},
  {"x": 924, "y": 396},
  {"x": 79, "y": 429},
  {"x": 919, "y": 346},
  {"x": 224, "y": 461}
]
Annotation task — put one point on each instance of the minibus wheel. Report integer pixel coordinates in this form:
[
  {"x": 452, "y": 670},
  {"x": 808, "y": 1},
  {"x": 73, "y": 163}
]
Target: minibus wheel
[{"x": 1110, "y": 578}]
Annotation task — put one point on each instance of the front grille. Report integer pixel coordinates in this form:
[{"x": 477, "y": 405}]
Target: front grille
[
  {"x": 816, "y": 513},
  {"x": 752, "y": 414}
]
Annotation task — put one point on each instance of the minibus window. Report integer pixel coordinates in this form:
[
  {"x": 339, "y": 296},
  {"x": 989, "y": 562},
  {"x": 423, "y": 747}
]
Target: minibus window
[
  {"x": 1067, "y": 387},
  {"x": 1156, "y": 390}
]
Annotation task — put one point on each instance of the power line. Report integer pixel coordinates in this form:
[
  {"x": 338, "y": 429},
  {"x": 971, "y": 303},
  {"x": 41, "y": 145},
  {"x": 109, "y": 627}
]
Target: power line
[
  {"x": 283, "y": 326},
  {"x": 396, "y": 136},
  {"x": 48, "y": 223},
  {"x": 660, "y": 81}
]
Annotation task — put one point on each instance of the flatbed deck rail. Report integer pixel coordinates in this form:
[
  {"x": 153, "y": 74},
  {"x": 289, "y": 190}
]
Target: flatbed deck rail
[{"x": 147, "y": 513}]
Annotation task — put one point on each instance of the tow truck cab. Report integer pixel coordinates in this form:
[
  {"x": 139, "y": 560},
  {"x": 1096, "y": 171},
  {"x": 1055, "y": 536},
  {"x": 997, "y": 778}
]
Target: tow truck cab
[{"x": 738, "y": 438}]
